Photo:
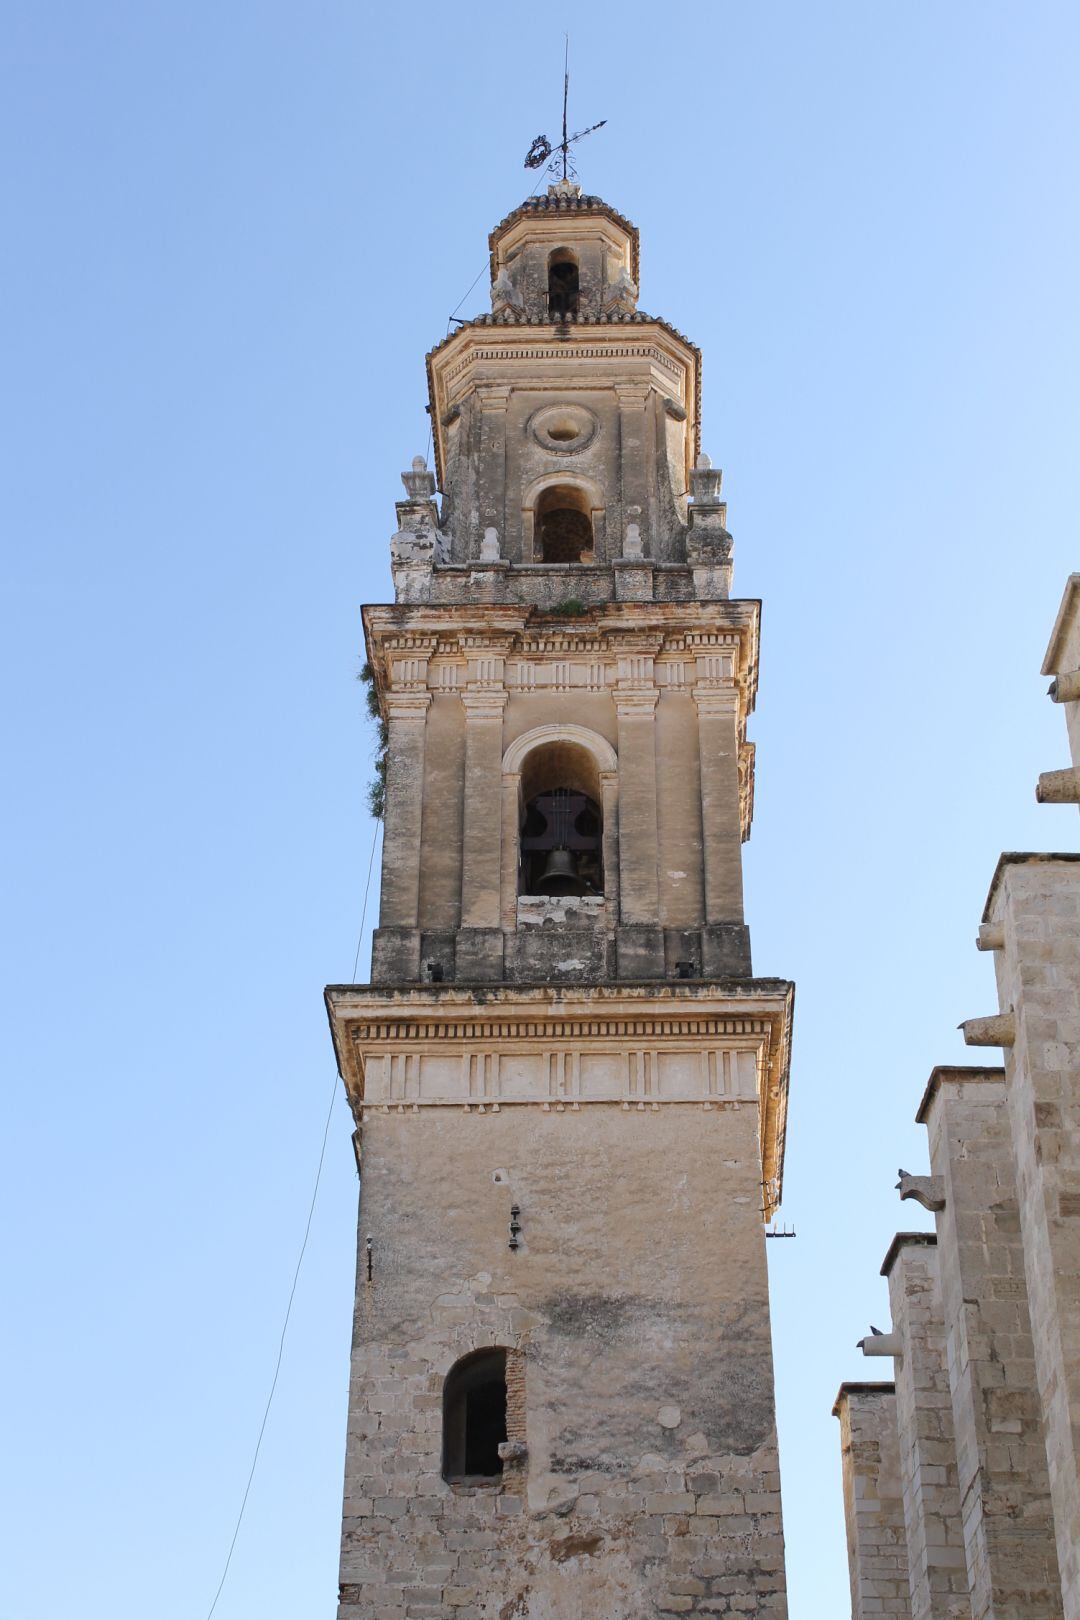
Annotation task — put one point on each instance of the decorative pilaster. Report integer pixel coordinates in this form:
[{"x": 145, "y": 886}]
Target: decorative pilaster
[
  {"x": 481, "y": 854},
  {"x": 635, "y": 704},
  {"x": 406, "y": 714},
  {"x": 718, "y": 743},
  {"x": 637, "y": 459},
  {"x": 491, "y": 463}
]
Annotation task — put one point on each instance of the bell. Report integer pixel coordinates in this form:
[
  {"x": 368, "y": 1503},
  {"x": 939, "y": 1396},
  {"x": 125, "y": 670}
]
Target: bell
[{"x": 560, "y": 874}]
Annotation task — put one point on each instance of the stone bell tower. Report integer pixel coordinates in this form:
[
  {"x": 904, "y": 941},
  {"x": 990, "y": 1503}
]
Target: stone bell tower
[{"x": 569, "y": 1089}]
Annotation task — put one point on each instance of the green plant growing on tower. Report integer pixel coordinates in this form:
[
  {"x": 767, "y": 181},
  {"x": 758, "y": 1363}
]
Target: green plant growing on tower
[{"x": 376, "y": 792}]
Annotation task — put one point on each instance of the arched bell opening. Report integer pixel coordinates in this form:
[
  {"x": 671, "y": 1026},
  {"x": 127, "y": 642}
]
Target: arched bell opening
[
  {"x": 564, "y": 525},
  {"x": 563, "y": 284},
  {"x": 562, "y": 823}
]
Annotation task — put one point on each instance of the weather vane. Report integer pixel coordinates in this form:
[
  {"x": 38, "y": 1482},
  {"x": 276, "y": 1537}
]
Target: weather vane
[{"x": 541, "y": 151}]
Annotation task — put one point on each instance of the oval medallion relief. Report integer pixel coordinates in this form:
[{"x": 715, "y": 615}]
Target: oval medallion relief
[{"x": 563, "y": 429}]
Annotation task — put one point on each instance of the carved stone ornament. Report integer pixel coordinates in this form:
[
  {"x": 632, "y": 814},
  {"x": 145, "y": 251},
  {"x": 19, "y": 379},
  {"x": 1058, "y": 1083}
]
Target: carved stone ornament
[
  {"x": 621, "y": 292},
  {"x": 705, "y": 482},
  {"x": 564, "y": 429},
  {"x": 504, "y": 295},
  {"x": 419, "y": 482}
]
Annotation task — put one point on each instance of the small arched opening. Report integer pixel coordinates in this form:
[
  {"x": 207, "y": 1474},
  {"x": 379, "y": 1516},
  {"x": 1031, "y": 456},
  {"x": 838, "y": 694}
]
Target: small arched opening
[
  {"x": 474, "y": 1416},
  {"x": 564, "y": 525},
  {"x": 562, "y": 825},
  {"x": 562, "y": 284}
]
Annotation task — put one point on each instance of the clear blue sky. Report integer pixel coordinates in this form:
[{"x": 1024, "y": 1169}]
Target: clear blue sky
[{"x": 231, "y": 231}]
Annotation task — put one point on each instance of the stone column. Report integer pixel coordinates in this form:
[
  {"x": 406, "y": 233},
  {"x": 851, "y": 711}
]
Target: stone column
[
  {"x": 1001, "y": 1459},
  {"x": 873, "y": 1502},
  {"x": 721, "y": 828},
  {"x": 1035, "y": 902},
  {"x": 935, "y": 1543},
  {"x": 479, "y": 945},
  {"x": 640, "y": 937}
]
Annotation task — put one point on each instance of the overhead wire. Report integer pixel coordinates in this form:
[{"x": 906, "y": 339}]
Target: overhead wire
[
  {"x": 450, "y": 318},
  {"x": 299, "y": 1263}
]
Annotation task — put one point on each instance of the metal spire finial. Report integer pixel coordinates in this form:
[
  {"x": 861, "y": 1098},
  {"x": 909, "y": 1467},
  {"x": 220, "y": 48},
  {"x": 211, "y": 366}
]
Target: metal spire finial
[{"x": 542, "y": 152}]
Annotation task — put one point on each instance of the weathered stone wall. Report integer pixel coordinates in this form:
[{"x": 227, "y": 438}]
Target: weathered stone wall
[
  {"x": 936, "y": 1564},
  {"x": 1035, "y": 901},
  {"x": 873, "y": 1501},
  {"x": 1000, "y": 1450},
  {"x": 639, "y": 1300},
  {"x": 604, "y": 1062}
]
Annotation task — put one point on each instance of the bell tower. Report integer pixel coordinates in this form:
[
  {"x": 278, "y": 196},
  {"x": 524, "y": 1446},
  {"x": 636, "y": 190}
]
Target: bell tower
[{"x": 569, "y": 1089}]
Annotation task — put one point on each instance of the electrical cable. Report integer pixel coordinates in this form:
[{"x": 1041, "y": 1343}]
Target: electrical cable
[
  {"x": 299, "y": 1263},
  {"x": 465, "y": 295}
]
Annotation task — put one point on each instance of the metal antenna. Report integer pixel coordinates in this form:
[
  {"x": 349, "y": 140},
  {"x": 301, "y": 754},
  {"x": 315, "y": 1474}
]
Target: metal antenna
[{"x": 542, "y": 153}]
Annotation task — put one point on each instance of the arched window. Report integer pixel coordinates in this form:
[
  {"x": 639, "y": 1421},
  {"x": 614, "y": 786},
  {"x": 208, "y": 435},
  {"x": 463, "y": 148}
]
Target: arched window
[
  {"x": 564, "y": 525},
  {"x": 562, "y": 831},
  {"x": 562, "y": 285},
  {"x": 474, "y": 1416}
]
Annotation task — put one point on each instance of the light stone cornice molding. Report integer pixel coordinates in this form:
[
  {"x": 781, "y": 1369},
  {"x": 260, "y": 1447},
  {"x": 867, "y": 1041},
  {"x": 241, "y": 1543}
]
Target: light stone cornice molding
[
  {"x": 719, "y": 700},
  {"x": 486, "y": 704},
  {"x": 609, "y": 632},
  {"x": 706, "y": 1045},
  {"x": 632, "y": 396},
  {"x": 634, "y": 700},
  {"x": 407, "y": 705},
  {"x": 493, "y": 397}
]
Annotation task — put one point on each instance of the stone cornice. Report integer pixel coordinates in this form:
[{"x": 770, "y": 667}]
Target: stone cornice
[
  {"x": 657, "y": 628},
  {"x": 555, "y": 1030}
]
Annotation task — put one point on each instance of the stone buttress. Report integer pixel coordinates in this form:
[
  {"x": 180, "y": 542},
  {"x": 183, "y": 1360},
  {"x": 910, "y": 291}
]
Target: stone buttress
[{"x": 986, "y": 1314}]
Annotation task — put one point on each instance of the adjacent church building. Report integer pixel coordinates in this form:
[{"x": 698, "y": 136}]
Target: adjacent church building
[{"x": 962, "y": 1472}]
